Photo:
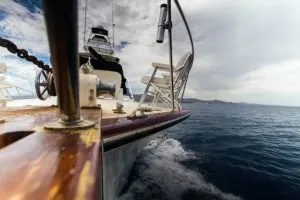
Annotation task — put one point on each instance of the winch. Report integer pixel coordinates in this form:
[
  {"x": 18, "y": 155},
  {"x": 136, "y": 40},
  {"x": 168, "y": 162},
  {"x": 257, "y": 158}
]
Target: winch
[{"x": 90, "y": 87}]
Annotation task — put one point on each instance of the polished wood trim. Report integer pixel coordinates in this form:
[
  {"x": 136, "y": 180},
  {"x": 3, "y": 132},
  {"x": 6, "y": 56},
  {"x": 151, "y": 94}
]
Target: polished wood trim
[
  {"x": 9, "y": 138},
  {"x": 65, "y": 164},
  {"x": 51, "y": 164}
]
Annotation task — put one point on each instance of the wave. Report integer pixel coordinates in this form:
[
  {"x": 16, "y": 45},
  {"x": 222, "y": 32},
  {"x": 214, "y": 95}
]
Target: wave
[{"x": 159, "y": 173}]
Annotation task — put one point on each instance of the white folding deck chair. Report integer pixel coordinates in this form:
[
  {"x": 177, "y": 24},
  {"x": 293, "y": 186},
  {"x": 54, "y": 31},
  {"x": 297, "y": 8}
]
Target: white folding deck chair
[{"x": 161, "y": 86}]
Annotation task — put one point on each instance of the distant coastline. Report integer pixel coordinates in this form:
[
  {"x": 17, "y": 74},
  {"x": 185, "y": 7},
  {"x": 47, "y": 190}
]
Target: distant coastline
[
  {"x": 215, "y": 101},
  {"x": 148, "y": 98},
  {"x": 185, "y": 100}
]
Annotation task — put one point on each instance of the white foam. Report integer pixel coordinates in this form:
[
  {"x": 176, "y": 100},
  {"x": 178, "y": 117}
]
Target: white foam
[
  {"x": 155, "y": 142},
  {"x": 172, "y": 150},
  {"x": 163, "y": 168}
]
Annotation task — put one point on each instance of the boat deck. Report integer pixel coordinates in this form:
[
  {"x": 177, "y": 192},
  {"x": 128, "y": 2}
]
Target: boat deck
[
  {"x": 66, "y": 164},
  {"x": 41, "y": 164},
  {"x": 107, "y": 106}
]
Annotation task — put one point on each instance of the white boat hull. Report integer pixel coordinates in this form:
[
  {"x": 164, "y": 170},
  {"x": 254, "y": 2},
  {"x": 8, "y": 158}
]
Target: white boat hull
[{"x": 117, "y": 166}]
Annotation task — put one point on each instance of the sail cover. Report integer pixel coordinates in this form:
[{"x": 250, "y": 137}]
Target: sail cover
[{"x": 99, "y": 30}]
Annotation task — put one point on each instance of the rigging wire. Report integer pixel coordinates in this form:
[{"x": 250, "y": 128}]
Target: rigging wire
[
  {"x": 84, "y": 29},
  {"x": 113, "y": 24},
  {"x": 186, "y": 25},
  {"x": 12, "y": 74}
]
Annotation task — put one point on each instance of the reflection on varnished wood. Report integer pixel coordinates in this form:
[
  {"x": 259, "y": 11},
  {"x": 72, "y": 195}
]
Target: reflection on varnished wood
[
  {"x": 9, "y": 138},
  {"x": 49, "y": 164},
  {"x": 64, "y": 164}
]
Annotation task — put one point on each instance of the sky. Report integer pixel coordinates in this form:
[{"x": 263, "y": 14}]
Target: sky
[{"x": 245, "y": 51}]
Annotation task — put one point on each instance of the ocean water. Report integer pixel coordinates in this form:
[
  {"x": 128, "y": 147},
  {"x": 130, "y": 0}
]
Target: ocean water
[{"x": 222, "y": 152}]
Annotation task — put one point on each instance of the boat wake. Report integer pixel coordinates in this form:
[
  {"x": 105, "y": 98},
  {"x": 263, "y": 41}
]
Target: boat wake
[{"x": 159, "y": 173}]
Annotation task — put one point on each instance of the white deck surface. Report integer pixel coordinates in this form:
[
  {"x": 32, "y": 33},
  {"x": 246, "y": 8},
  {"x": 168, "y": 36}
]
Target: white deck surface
[{"x": 107, "y": 106}]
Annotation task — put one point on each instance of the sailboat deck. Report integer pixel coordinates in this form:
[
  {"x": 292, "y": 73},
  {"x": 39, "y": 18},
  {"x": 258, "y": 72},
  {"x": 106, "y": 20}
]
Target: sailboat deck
[
  {"x": 107, "y": 106},
  {"x": 66, "y": 164},
  {"x": 39, "y": 114},
  {"x": 48, "y": 164}
]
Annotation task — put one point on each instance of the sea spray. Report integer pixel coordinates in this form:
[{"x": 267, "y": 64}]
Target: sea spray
[{"x": 160, "y": 175}]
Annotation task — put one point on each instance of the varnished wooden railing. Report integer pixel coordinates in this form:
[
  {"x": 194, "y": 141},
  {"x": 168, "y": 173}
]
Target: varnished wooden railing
[{"x": 49, "y": 164}]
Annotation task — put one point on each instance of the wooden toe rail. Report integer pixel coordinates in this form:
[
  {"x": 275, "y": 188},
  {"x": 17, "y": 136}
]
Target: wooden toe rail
[{"x": 40, "y": 164}]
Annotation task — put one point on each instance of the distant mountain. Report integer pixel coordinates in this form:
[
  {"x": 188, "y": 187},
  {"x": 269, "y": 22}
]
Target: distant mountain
[
  {"x": 215, "y": 101},
  {"x": 137, "y": 97},
  {"x": 149, "y": 98}
]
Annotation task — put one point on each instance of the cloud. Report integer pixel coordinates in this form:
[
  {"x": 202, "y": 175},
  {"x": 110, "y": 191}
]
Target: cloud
[
  {"x": 241, "y": 38},
  {"x": 25, "y": 28},
  {"x": 237, "y": 43}
]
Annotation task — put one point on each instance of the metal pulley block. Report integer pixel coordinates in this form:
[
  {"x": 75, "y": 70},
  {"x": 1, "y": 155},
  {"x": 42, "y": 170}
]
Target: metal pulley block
[
  {"x": 51, "y": 84},
  {"x": 44, "y": 85}
]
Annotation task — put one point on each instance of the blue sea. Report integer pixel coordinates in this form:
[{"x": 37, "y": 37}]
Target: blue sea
[{"x": 222, "y": 151}]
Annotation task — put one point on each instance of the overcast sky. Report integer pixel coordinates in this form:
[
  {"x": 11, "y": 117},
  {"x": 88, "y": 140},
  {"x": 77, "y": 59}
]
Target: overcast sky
[{"x": 245, "y": 51}]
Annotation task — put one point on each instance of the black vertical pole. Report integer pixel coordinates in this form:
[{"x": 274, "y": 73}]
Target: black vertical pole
[
  {"x": 61, "y": 19},
  {"x": 171, "y": 50}
]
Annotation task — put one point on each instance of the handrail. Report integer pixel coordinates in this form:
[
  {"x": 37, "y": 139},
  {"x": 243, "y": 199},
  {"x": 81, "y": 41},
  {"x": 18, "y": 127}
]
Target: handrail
[
  {"x": 186, "y": 25},
  {"x": 191, "y": 40}
]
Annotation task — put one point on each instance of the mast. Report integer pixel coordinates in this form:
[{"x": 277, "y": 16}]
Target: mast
[{"x": 61, "y": 19}]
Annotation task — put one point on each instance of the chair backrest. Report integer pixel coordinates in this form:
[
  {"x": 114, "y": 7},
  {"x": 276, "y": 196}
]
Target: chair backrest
[
  {"x": 182, "y": 70},
  {"x": 183, "y": 66},
  {"x": 181, "y": 61}
]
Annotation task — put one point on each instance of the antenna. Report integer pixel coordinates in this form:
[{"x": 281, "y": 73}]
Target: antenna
[{"x": 113, "y": 24}]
